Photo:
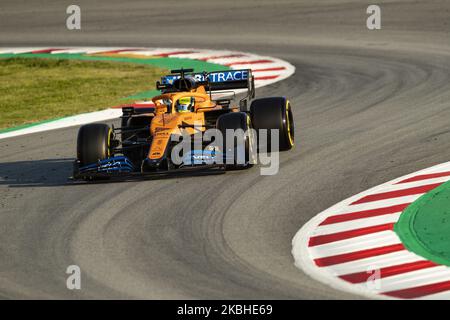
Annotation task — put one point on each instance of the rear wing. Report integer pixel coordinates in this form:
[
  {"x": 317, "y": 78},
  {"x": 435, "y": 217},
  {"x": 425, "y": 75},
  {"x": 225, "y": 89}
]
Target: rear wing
[{"x": 213, "y": 81}]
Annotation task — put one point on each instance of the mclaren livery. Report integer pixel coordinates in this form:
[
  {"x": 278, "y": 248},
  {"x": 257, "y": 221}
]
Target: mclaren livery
[{"x": 144, "y": 143}]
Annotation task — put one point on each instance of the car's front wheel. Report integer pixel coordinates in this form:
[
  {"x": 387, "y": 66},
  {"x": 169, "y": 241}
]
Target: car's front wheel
[{"x": 94, "y": 143}]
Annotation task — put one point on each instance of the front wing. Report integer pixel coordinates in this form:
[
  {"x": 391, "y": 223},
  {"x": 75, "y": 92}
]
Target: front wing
[{"x": 122, "y": 167}]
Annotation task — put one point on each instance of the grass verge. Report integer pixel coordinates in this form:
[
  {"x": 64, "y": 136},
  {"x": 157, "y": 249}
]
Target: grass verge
[{"x": 34, "y": 90}]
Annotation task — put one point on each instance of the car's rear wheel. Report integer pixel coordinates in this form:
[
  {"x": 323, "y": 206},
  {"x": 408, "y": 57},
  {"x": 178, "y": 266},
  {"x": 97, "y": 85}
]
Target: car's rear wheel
[
  {"x": 94, "y": 143},
  {"x": 241, "y": 155},
  {"x": 274, "y": 113}
]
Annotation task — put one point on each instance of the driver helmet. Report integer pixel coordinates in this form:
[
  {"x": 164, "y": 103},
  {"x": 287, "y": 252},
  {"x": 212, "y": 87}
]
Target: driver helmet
[{"x": 185, "y": 104}]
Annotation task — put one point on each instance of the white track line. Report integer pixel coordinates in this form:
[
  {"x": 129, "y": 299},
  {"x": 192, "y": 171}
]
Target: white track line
[
  {"x": 369, "y": 241},
  {"x": 415, "y": 278},
  {"x": 438, "y": 296},
  {"x": 378, "y": 262},
  {"x": 380, "y": 203},
  {"x": 408, "y": 185},
  {"x": 77, "y": 120},
  {"x": 356, "y": 224}
]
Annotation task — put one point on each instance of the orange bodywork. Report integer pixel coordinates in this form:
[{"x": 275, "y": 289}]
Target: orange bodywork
[{"x": 167, "y": 120}]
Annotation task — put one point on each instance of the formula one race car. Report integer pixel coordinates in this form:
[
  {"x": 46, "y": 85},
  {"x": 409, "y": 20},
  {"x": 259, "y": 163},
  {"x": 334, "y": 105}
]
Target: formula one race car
[{"x": 148, "y": 141}]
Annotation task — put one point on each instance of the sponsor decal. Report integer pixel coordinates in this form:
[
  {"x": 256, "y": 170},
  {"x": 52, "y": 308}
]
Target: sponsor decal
[
  {"x": 200, "y": 157},
  {"x": 219, "y": 76}
]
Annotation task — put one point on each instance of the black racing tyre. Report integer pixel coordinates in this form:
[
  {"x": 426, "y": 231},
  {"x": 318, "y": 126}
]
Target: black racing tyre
[
  {"x": 234, "y": 121},
  {"x": 94, "y": 143},
  {"x": 274, "y": 113}
]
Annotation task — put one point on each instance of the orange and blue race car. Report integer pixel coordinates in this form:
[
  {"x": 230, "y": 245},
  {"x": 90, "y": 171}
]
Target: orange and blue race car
[{"x": 186, "y": 109}]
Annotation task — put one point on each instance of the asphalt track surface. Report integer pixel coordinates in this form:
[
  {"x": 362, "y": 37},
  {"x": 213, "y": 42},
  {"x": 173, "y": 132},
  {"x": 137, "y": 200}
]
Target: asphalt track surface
[{"x": 369, "y": 106}]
